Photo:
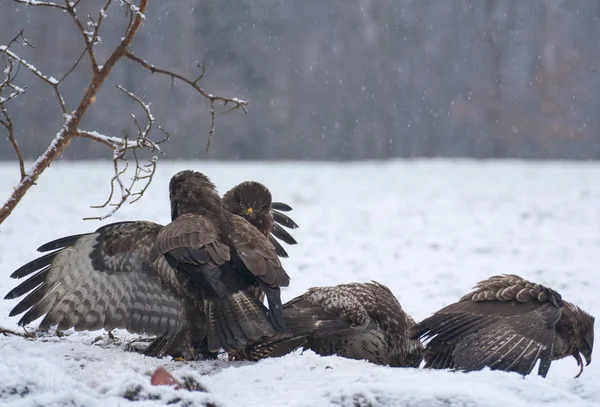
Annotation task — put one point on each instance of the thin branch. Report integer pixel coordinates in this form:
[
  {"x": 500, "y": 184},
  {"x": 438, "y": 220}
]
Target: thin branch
[
  {"x": 7, "y": 121},
  {"x": 73, "y": 67},
  {"x": 40, "y": 4},
  {"x": 6, "y": 332},
  {"x": 135, "y": 10},
  {"x": 8, "y": 124},
  {"x": 238, "y": 103},
  {"x": 211, "y": 132},
  {"x": 47, "y": 79},
  {"x": 143, "y": 173},
  {"x": 194, "y": 84},
  {"x": 87, "y": 37},
  {"x": 97, "y": 25}
]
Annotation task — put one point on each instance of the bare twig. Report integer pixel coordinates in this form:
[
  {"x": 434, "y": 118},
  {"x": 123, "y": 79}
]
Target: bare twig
[
  {"x": 7, "y": 121},
  {"x": 98, "y": 23},
  {"x": 238, "y": 103},
  {"x": 143, "y": 173},
  {"x": 73, "y": 67},
  {"x": 87, "y": 37},
  {"x": 41, "y": 4},
  {"x": 47, "y": 79},
  {"x": 6, "y": 332}
]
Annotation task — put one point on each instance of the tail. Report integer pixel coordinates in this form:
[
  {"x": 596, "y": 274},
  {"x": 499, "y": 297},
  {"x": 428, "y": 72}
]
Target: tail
[
  {"x": 275, "y": 306},
  {"x": 236, "y": 321}
]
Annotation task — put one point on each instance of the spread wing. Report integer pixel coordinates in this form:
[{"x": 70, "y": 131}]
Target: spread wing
[
  {"x": 507, "y": 323},
  {"x": 277, "y": 231},
  {"x": 106, "y": 279}
]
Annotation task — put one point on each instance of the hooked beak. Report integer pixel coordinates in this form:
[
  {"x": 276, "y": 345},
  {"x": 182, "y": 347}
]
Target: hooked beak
[
  {"x": 588, "y": 356},
  {"x": 249, "y": 211}
]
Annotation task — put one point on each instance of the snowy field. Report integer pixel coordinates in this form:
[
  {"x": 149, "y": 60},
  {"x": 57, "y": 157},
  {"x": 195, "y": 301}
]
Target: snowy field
[{"x": 428, "y": 229}]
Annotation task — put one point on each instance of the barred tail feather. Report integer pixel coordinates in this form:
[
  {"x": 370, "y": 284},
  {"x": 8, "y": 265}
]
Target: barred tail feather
[{"x": 236, "y": 322}]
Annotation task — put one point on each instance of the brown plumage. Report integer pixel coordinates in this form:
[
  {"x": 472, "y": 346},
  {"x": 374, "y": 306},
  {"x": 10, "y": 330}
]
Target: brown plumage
[
  {"x": 356, "y": 321},
  {"x": 184, "y": 282},
  {"x": 252, "y": 201},
  {"x": 507, "y": 323}
]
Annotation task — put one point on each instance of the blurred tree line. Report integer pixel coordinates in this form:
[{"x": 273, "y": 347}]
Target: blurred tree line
[{"x": 332, "y": 80}]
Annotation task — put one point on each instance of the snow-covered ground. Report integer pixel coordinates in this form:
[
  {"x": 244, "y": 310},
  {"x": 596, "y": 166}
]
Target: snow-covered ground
[{"x": 428, "y": 229}]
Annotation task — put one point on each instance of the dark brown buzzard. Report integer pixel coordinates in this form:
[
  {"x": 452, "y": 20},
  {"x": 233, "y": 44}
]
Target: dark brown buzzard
[
  {"x": 185, "y": 282},
  {"x": 507, "y": 323},
  {"x": 252, "y": 201},
  {"x": 356, "y": 321}
]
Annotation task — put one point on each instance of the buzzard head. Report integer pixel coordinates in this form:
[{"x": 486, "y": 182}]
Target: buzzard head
[
  {"x": 193, "y": 192},
  {"x": 252, "y": 201},
  {"x": 579, "y": 334},
  {"x": 584, "y": 336}
]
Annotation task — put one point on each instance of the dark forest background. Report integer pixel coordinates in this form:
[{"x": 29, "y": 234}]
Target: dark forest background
[{"x": 332, "y": 80}]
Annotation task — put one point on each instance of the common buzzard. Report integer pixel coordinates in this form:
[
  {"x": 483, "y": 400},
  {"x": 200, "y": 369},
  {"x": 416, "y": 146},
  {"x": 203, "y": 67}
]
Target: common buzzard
[
  {"x": 356, "y": 321},
  {"x": 184, "y": 282},
  {"x": 507, "y": 323},
  {"x": 252, "y": 201}
]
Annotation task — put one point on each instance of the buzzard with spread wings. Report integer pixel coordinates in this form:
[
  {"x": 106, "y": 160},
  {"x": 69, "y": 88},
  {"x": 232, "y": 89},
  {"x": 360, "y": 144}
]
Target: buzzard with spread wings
[
  {"x": 507, "y": 323},
  {"x": 252, "y": 201},
  {"x": 356, "y": 321},
  {"x": 185, "y": 282}
]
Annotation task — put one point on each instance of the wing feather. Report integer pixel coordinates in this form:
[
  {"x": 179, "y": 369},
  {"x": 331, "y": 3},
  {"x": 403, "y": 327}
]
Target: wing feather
[
  {"x": 283, "y": 219},
  {"x": 281, "y": 206},
  {"x": 281, "y": 252},
  {"x": 507, "y": 323},
  {"x": 106, "y": 279},
  {"x": 281, "y": 234},
  {"x": 257, "y": 253}
]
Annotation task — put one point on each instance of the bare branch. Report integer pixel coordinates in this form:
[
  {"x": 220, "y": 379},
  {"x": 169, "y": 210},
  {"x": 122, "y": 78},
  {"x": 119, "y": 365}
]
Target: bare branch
[
  {"x": 40, "y": 4},
  {"x": 25, "y": 334},
  {"x": 97, "y": 24},
  {"x": 211, "y": 110},
  {"x": 69, "y": 129},
  {"x": 47, "y": 79},
  {"x": 143, "y": 149},
  {"x": 73, "y": 67},
  {"x": 143, "y": 173},
  {"x": 238, "y": 103},
  {"x": 87, "y": 37},
  {"x": 135, "y": 10},
  {"x": 7, "y": 121}
]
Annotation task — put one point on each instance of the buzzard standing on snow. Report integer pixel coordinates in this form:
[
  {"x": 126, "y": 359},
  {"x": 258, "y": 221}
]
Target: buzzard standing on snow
[
  {"x": 185, "y": 282},
  {"x": 356, "y": 321},
  {"x": 252, "y": 201},
  {"x": 507, "y": 323}
]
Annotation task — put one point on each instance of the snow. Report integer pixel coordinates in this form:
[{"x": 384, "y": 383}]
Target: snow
[{"x": 428, "y": 229}]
